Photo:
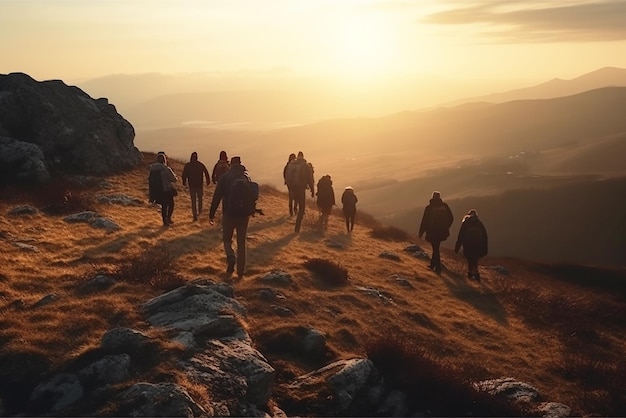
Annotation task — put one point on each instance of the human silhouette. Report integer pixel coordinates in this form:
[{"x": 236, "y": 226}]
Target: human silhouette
[
  {"x": 435, "y": 224},
  {"x": 165, "y": 191},
  {"x": 221, "y": 167},
  {"x": 325, "y": 198},
  {"x": 473, "y": 238},
  {"x": 194, "y": 173},
  {"x": 231, "y": 222},
  {"x": 293, "y": 205},
  {"x": 299, "y": 177},
  {"x": 349, "y": 201}
]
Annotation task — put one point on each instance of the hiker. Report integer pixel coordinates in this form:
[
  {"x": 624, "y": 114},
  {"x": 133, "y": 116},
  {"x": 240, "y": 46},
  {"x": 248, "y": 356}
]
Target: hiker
[
  {"x": 161, "y": 187},
  {"x": 221, "y": 167},
  {"x": 299, "y": 177},
  {"x": 349, "y": 200},
  {"x": 436, "y": 223},
  {"x": 293, "y": 205},
  {"x": 234, "y": 218},
  {"x": 193, "y": 174},
  {"x": 325, "y": 198},
  {"x": 473, "y": 238}
]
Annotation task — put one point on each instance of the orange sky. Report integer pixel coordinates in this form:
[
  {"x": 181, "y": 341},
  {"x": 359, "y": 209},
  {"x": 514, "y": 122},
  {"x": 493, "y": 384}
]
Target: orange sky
[{"x": 351, "y": 41}]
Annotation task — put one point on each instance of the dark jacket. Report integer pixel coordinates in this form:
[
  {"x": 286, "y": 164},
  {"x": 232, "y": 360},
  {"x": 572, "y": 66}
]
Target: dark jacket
[
  {"x": 221, "y": 167},
  {"x": 325, "y": 193},
  {"x": 223, "y": 188},
  {"x": 472, "y": 237},
  {"x": 193, "y": 172},
  {"x": 304, "y": 178},
  {"x": 349, "y": 200},
  {"x": 436, "y": 221}
]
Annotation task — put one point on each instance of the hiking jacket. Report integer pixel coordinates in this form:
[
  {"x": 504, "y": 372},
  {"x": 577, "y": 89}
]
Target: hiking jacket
[
  {"x": 167, "y": 175},
  {"x": 193, "y": 173},
  {"x": 221, "y": 167},
  {"x": 349, "y": 200},
  {"x": 307, "y": 180},
  {"x": 436, "y": 228},
  {"x": 473, "y": 247},
  {"x": 325, "y": 194},
  {"x": 222, "y": 189}
]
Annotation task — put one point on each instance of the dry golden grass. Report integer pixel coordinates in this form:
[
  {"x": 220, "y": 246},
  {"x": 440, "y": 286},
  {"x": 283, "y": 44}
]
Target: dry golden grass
[{"x": 530, "y": 324}]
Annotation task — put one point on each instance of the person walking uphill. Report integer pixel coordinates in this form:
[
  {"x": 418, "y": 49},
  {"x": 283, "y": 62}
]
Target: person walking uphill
[
  {"x": 436, "y": 223},
  {"x": 293, "y": 206},
  {"x": 299, "y": 177},
  {"x": 473, "y": 238},
  {"x": 235, "y": 215},
  {"x": 325, "y": 199},
  {"x": 193, "y": 174},
  {"x": 349, "y": 201},
  {"x": 221, "y": 167},
  {"x": 161, "y": 187}
]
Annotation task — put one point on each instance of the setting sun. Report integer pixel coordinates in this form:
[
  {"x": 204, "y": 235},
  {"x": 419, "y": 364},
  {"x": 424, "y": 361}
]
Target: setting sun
[{"x": 361, "y": 47}]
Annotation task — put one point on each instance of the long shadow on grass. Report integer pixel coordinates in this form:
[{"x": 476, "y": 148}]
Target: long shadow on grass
[{"x": 486, "y": 303}]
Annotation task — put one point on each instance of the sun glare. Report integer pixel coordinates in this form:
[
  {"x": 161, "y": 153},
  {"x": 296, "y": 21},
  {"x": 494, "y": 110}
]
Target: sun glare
[{"x": 361, "y": 47}]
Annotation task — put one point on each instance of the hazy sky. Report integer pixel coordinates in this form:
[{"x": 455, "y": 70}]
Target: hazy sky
[{"x": 352, "y": 40}]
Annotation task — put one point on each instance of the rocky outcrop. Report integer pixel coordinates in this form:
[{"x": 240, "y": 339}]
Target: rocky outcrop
[{"x": 48, "y": 126}]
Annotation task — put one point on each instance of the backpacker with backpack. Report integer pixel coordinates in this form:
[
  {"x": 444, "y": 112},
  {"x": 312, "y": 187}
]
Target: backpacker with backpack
[
  {"x": 155, "y": 186},
  {"x": 221, "y": 168},
  {"x": 242, "y": 197},
  {"x": 299, "y": 174}
]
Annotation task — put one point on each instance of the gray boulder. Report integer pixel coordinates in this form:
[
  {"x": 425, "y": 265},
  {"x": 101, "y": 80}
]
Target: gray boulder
[
  {"x": 159, "y": 400},
  {"x": 48, "y": 125}
]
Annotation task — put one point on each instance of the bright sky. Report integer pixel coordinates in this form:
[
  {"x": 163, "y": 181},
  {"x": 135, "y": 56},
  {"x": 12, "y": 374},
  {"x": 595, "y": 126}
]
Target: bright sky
[{"x": 345, "y": 39}]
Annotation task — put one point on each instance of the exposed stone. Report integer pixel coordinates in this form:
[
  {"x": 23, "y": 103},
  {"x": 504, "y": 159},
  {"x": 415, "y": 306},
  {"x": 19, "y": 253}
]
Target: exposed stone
[
  {"x": 119, "y": 199},
  {"x": 23, "y": 210},
  {"x": 26, "y": 247},
  {"x": 21, "y": 161},
  {"x": 46, "y": 300},
  {"x": 56, "y": 394},
  {"x": 85, "y": 217},
  {"x": 277, "y": 277},
  {"x": 510, "y": 388},
  {"x": 48, "y": 126},
  {"x": 120, "y": 340},
  {"x": 105, "y": 223},
  {"x": 554, "y": 410},
  {"x": 159, "y": 400},
  {"x": 97, "y": 284},
  {"x": 390, "y": 256},
  {"x": 108, "y": 370}
]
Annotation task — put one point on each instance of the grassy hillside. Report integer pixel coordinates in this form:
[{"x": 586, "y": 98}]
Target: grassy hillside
[
  {"x": 579, "y": 221},
  {"x": 558, "y": 328}
]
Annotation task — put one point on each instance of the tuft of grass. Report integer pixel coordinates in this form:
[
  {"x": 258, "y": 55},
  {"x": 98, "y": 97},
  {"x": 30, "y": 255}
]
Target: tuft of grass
[
  {"x": 330, "y": 272},
  {"x": 432, "y": 385},
  {"x": 154, "y": 266},
  {"x": 601, "y": 382},
  {"x": 390, "y": 233},
  {"x": 61, "y": 196}
]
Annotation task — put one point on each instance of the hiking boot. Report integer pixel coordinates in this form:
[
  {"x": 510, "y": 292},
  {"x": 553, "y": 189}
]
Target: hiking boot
[
  {"x": 195, "y": 218},
  {"x": 231, "y": 266}
]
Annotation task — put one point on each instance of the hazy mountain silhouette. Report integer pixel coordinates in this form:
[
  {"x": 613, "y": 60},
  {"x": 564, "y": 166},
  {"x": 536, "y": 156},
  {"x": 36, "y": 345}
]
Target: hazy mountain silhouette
[{"x": 604, "y": 77}]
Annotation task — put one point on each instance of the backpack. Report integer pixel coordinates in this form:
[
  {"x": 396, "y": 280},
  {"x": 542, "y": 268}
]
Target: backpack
[
  {"x": 155, "y": 186},
  {"x": 220, "y": 168},
  {"x": 472, "y": 234},
  {"x": 439, "y": 218},
  {"x": 242, "y": 197},
  {"x": 297, "y": 174}
]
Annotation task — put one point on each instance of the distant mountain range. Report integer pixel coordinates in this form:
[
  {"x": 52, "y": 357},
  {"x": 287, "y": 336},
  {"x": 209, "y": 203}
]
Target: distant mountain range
[
  {"x": 251, "y": 100},
  {"x": 604, "y": 77}
]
